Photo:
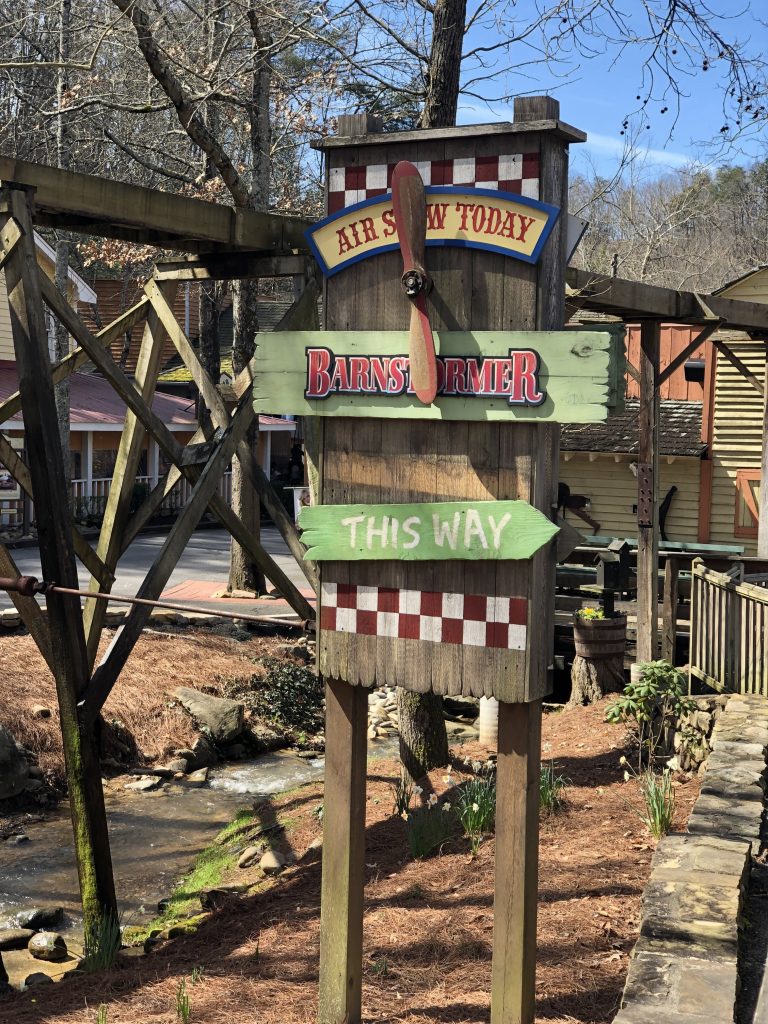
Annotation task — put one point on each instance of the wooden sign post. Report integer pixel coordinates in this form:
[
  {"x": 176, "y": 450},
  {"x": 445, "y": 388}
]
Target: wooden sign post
[{"x": 434, "y": 525}]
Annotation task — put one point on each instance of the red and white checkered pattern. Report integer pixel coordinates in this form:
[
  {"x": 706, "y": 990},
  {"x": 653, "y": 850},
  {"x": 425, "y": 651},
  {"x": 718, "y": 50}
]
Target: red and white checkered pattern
[
  {"x": 433, "y": 616},
  {"x": 509, "y": 172}
]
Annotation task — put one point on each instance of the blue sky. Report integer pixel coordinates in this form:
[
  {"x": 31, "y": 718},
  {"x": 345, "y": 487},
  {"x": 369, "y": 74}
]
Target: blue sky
[{"x": 602, "y": 92}]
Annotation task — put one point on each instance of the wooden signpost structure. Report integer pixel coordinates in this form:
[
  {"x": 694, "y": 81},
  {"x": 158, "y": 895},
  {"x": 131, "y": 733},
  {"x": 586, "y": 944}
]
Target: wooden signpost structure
[{"x": 430, "y": 446}]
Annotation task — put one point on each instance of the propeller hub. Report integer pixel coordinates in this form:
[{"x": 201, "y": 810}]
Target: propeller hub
[{"x": 415, "y": 282}]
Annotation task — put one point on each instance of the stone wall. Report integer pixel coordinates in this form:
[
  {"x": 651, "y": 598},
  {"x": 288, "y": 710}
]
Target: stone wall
[
  {"x": 689, "y": 744},
  {"x": 684, "y": 967}
]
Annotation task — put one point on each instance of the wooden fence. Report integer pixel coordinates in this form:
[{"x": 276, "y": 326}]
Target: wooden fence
[{"x": 729, "y": 627}]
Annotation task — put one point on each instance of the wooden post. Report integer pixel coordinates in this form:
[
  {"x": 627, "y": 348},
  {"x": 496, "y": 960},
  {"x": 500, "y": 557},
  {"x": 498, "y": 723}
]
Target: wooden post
[
  {"x": 513, "y": 989},
  {"x": 67, "y": 640},
  {"x": 648, "y": 496},
  {"x": 669, "y": 619},
  {"x": 341, "y": 923},
  {"x": 762, "y": 527}
]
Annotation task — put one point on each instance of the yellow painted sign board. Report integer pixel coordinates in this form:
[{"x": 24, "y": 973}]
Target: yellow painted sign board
[{"x": 478, "y": 218}]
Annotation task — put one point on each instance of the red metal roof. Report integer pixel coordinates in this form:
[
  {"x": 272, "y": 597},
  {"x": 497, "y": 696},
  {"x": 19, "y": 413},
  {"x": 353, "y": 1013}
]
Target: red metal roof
[{"x": 93, "y": 402}]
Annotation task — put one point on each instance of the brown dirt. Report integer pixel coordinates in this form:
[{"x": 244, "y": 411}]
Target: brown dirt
[
  {"x": 428, "y": 924},
  {"x": 160, "y": 661}
]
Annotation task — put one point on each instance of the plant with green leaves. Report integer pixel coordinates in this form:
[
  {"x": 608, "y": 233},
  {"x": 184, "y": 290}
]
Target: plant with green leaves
[
  {"x": 183, "y": 1008},
  {"x": 102, "y": 945},
  {"x": 590, "y": 613},
  {"x": 657, "y": 791},
  {"x": 551, "y": 788},
  {"x": 476, "y": 808},
  {"x": 101, "y": 1014},
  {"x": 290, "y": 695},
  {"x": 429, "y": 826},
  {"x": 197, "y": 974},
  {"x": 651, "y": 706}
]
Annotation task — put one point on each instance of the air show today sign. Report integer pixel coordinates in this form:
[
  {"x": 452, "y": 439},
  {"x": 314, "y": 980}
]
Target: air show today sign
[{"x": 477, "y": 218}]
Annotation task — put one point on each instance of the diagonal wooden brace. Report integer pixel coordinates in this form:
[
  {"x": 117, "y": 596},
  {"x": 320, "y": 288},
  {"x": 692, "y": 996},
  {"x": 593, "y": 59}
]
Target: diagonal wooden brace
[
  {"x": 252, "y": 471},
  {"x": 28, "y": 609},
  {"x": 174, "y": 452},
  {"x": 128, "y": 633}
]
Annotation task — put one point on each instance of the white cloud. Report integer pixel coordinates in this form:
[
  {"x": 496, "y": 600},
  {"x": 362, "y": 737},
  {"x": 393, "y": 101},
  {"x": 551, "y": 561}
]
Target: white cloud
[{"x": 609, "y": 145}]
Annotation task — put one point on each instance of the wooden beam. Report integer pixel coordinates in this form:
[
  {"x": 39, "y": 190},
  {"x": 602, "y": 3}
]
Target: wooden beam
[
  {"x": 154, "y": 582},
  {"x": 65, "y": 624},
  {"x": 230, "y": 266},
  {"x": 513, "y": 991},
  {"x": 100, "y": 206},
  {"x": 635, "y": 300},
  {"x": 28, "y": 609},
  {"x": 648, "y": 495},
  {"x": 669, "y": 614},
  {"x": 252, "y": 471},
  {"x": 704, "y": 334},
  {"x": 734, "y": 360},
  {"x": 125, "y": 322},
  {"x": 343, "y": 870},
  {"x": 104, "y": 362}
]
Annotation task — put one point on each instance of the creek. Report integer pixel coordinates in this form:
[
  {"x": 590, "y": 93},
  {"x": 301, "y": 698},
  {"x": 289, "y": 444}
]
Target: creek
[{"x": 154, "y": 837}]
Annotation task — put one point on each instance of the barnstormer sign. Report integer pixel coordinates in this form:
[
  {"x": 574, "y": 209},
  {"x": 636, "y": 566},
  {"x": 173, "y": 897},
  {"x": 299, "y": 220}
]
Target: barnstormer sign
[
  {"x": 478, "y": 218},
  {"x": 425, "y": 531},
  {"x": 549, "y": 376}
]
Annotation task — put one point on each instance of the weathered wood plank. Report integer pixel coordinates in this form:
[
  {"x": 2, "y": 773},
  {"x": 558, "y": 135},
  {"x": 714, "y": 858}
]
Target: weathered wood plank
[
  {"x": 513, "y": 989},
  {"x": 574, "y": 381},
  {"x": 648, "y": 495},
  {"x": 481, "y": 530},
  {"x": 343, "y": 873},
  {"x": 669, "y": 615},
  {"x": 229, "y": 266},
  {"x": 633, "y": 299},
  {"x": 252, "y": 471},
  {"x": 104, "y": 206}
]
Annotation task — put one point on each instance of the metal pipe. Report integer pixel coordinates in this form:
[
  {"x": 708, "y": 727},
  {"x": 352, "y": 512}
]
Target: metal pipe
[{"x": 29, "y": 586}]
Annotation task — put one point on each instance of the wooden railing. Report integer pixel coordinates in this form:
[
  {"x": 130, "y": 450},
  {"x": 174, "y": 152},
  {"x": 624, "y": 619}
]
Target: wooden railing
[{"x": 729, "y": 631}]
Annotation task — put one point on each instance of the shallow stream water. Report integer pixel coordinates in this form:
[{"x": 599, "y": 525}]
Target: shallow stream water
[{"x": 154, "y": 837}]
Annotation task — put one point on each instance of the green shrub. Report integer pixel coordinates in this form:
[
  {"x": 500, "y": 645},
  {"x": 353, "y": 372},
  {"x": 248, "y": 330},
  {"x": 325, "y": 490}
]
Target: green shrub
[
  {"x": 551, "y": 788},
  {"x": 290, "y": 695},
  {"x": 651, "y": 706}
]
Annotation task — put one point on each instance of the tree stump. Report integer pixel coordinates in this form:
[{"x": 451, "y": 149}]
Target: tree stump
[{"x": 598, "y": 667}]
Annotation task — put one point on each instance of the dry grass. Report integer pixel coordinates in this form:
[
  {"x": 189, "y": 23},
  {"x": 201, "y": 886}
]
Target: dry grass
[
  {"x": 428, "y": 924},
  {"x": 159, "y": 662}
]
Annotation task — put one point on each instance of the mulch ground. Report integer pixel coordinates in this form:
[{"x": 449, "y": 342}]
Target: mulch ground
[{"x": 428, "y": 924}]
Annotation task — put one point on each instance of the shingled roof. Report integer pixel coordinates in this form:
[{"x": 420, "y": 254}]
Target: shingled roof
[{"x": 679, "y": 431}]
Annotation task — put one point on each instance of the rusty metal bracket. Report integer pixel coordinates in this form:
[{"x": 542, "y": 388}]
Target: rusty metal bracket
[{"x": 644, "y": 494}]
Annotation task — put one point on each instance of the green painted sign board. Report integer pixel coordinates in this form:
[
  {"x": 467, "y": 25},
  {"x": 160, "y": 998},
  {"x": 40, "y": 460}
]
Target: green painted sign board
[
  {"x": 427, "y": 531},
  {"x": 532, "y": 376}
]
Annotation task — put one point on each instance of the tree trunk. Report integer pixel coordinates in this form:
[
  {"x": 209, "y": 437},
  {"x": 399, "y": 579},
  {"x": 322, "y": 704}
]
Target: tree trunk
[
  {"x": 243, "y": 574},
  {"x": 423, "y": 739},
  {"x": 61, "y": 278},
  {"x": 210, "y": 349},
  {"x": 444, "y": 70},
  {"x": 592, "y": 679}
]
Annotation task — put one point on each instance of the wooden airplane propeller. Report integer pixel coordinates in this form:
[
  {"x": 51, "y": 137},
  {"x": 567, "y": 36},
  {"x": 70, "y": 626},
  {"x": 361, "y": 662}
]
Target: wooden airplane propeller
[{"x": 409, "y": 202}]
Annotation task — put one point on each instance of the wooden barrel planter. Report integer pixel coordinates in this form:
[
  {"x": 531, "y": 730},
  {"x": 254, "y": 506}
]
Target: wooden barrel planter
[
  {"x": 600, "y": 638},
  {"x": 598, "y": 667}
]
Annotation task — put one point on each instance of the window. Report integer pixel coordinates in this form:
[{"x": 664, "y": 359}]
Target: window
[{"x": 747, "y": 503}]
